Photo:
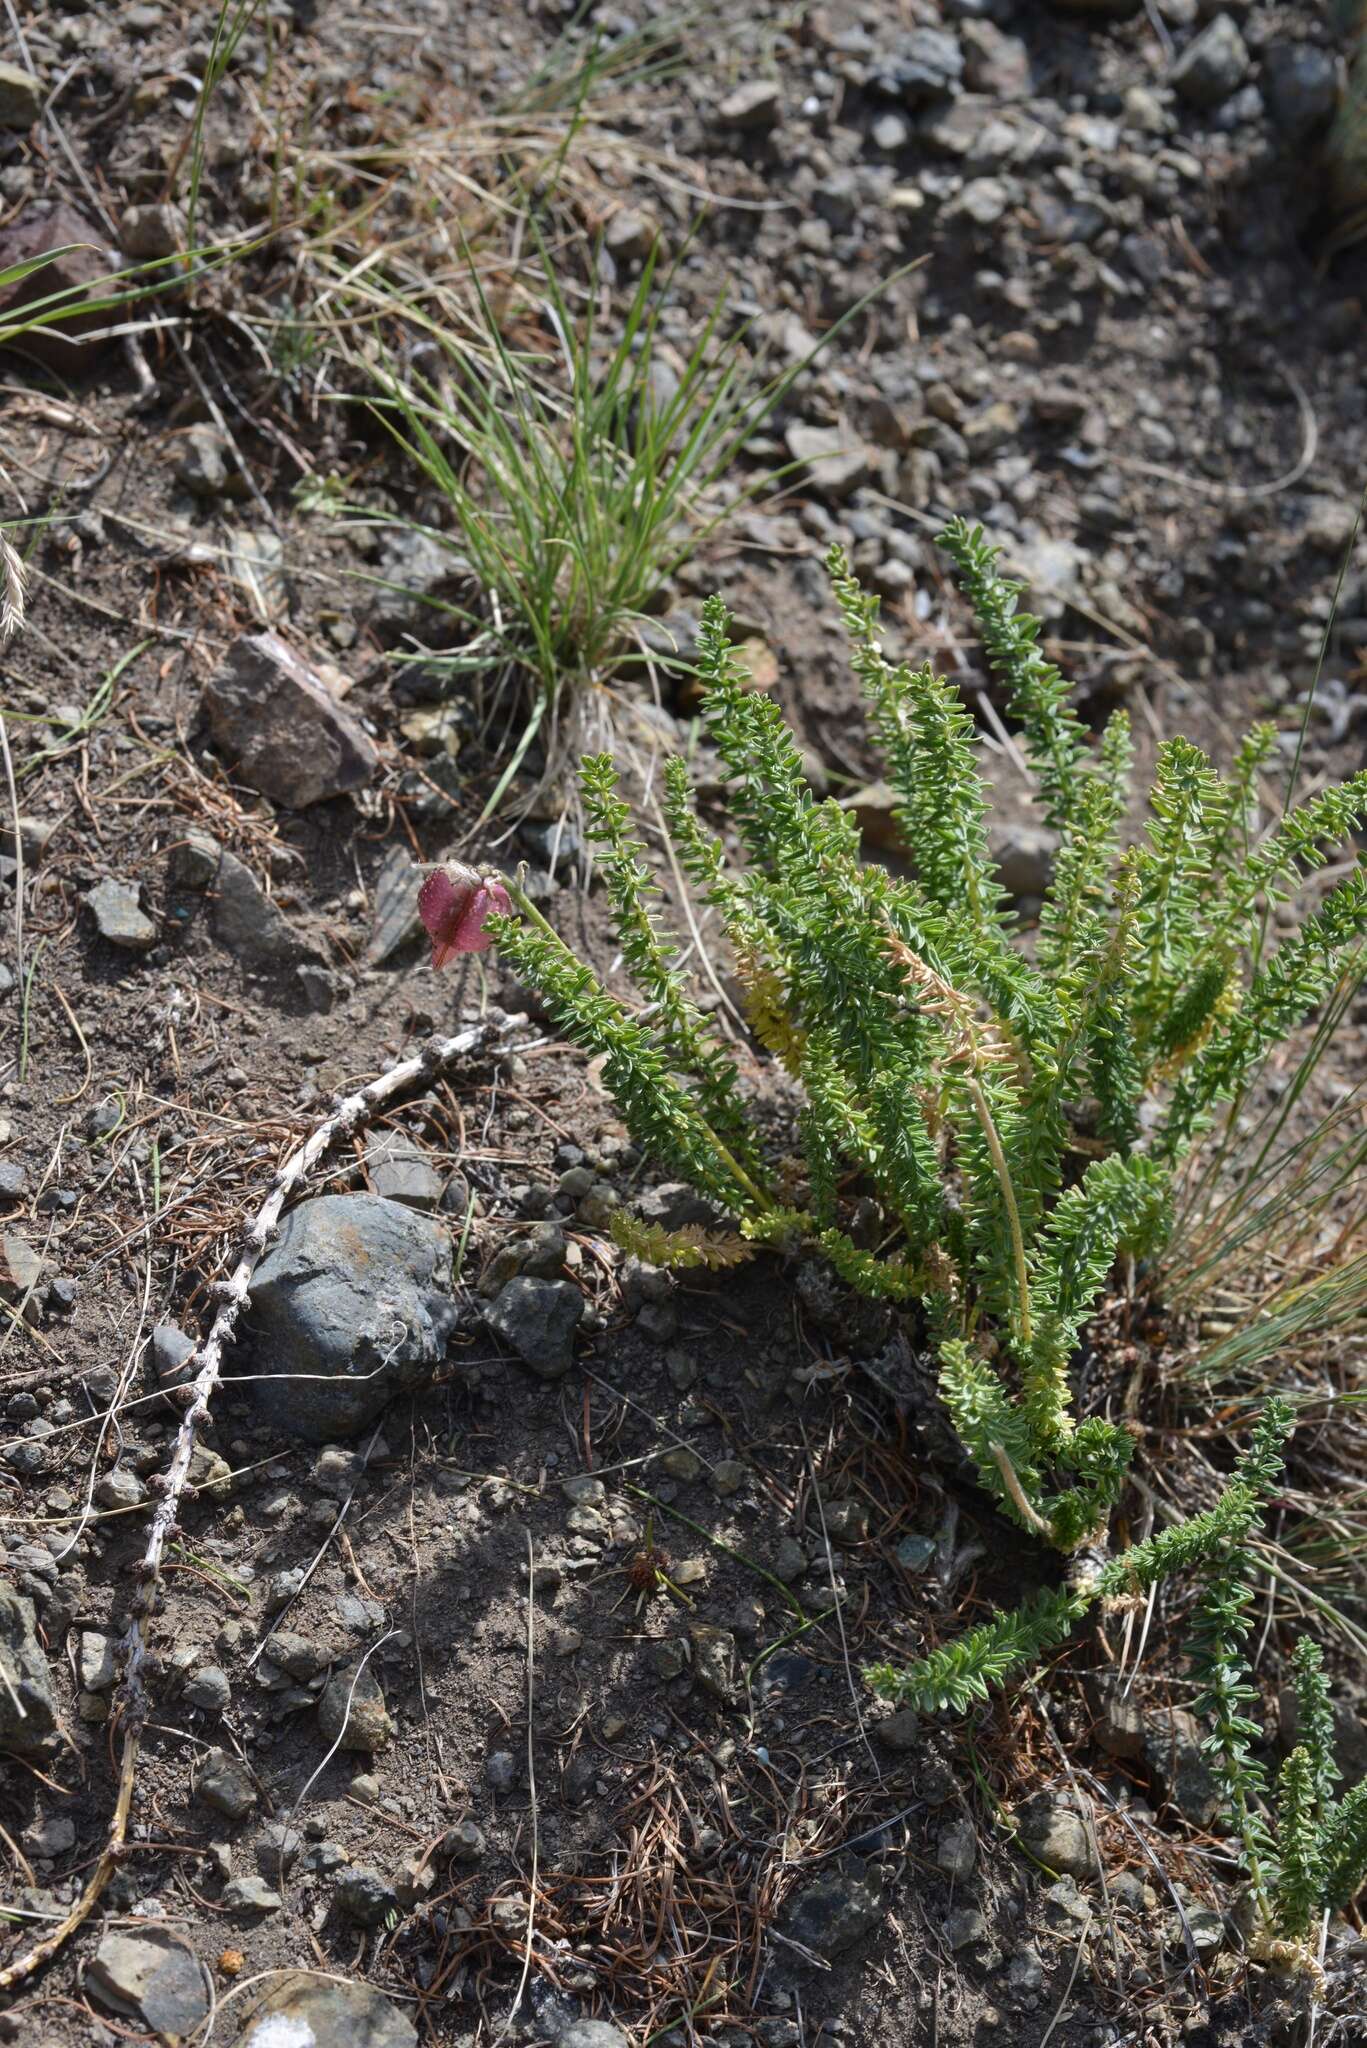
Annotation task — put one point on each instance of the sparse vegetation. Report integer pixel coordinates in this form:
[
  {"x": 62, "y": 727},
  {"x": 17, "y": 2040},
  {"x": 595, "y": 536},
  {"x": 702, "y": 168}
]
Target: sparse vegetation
[{"x": 1018, "y": 1119}]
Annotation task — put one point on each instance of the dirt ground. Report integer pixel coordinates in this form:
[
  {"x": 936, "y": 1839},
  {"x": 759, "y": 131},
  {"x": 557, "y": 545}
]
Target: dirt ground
[{"x": 1121, "y": 343}]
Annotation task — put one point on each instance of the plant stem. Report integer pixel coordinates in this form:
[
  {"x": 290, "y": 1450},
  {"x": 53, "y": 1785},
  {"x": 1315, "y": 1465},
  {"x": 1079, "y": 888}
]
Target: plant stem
[{"x": 994, "y": 1146}]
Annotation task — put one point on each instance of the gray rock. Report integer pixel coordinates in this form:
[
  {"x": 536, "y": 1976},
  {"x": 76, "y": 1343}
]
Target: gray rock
[
  {"x": 1120, "y": 1729},
  {"x": 1172, "y": 1751},
  {"x": 537, "y": 1319},
  {"x": 901, "y": 1732},
  {"x": 13, "y": 1181},
  {"x": 833, "y": 457},
  {"x": 146, "y": 1974},
  {"x": 1056, "y": 1836},
  {"x": 1207, "y": 1929},
  {"x": 297, "y": 1656},
  {"x": 462, "y": 1843},
  {"x": 209, "y": 1690},
  {"x": 203, "y": 464},
  {"x": 994, "y": 63},
  {"x": 170, "y": 1353},
  {"x": 500, "y": 1770},
  {"x": 118, "y": 918},
  {"x": 401, "y": 1171},
  {"x": 669, "y": 1657},
  {"x": 320, "y": 988},
  {"x": 846, "y": 1520},
  {"x": 728, "y": 1477},
  {"x": 35, "y": 836},
  {"x": 277, "y": 1850},
  {"x": 242, "y": 917},
  {"x": 394, "y": 910},
  {"x": 714, "y": 1659},
  {"x": 956, "y": 1852},
  {"x": 281, "y": 729},
  {"x": 355, "y": 1294},
  {"x": 836, "y": 1911},
  {"x": 1213, "y": 65},
  {"x": 120, "y": 1489},
  {"x": 225, "y": 1785},
  {"x": 96, "y": 1662},
  {"x": 1065, "y": 1908},
  {"x": 591, "y": 2034},
  {"x": 301, "y": 2010},
  {"x": 209, "y": 1473},
  {"x": 152, "y": 232},
  {"x": 1025, "y": 1972},
  {"x": 353, "y": 1714},
  {"x": 1023, "y": 855},
  {"x": 754, "y": 107},
  {"x": 1300, "y": 85},
  {"x": 966, "y": 1928},
  {"x": 366, "y": 1896},
  {"x": 251, "y": 1895},
  {"x": 51, "y": 1836},
  {"x": 925, "y": 65},
  {"x": 28, "y": 1709},
  {"x": 630, "y": 235},
  {"x": 419, "y": 575},
  {"x": 21, "y": 97},
  {"x": 322, "y": 1859},
  {"x": 982, "y": 201}
]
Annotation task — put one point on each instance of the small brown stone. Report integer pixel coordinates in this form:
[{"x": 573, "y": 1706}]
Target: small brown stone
[
  {"x": 280, "y": 727},
  {"x": 66, "y": 344}
]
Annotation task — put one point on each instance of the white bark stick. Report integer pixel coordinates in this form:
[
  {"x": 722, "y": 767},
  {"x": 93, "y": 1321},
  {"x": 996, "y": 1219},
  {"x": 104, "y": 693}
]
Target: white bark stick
[{"x": 350, "y": 1115}]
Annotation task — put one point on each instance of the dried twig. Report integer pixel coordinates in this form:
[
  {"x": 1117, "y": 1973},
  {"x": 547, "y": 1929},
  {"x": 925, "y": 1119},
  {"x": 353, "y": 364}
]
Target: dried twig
[{"x": 350, "y": 1115}]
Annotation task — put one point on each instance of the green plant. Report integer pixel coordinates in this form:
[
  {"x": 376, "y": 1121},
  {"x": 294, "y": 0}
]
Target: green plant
[
  {"x": 577, "y": 478},
  {"x": 1016, "y": 1118},
  {"x": 1310, "y": 1852}
]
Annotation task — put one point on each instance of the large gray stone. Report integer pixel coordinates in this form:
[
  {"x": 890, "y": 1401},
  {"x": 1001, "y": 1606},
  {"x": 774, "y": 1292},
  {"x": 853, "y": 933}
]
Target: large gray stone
[
  {"x": 1212, "y": 66},
  {"x": 832, "y": 456},
  {"x": 149, "y": 1976},
  {"x": 119, "y": 918},
  {"x": 225, "y": 1783},
  {"x": 401, "y": 1171},
  {"x": 538, "y": 1319},
  {"x": 281, "y": 728},
  {"x": 1177, "y": 1764},
  {"x": 242, "y": 917},
  {"x": 352, "y": 1713},
  {"x": 28, "y": 1711},
  {"x": 839, "y": 1909},
  {"x": 592, "y": 2034},
  {"x": 1300, "y": 86},
  {"x": 1055, "y": 1835},
  {"x": 301, "y": 2010},
  {"x": 351, "y": 1306},
  {"x": 394, "y": 911}
]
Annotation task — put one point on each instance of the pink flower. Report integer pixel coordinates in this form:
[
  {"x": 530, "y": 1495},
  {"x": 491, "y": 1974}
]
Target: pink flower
[{"x": 453, "y": 904}]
